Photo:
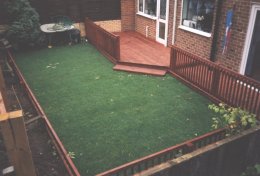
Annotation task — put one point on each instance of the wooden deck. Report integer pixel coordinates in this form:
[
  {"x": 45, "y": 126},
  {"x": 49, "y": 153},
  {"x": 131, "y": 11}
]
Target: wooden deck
[{"x": 137, "y": 49}]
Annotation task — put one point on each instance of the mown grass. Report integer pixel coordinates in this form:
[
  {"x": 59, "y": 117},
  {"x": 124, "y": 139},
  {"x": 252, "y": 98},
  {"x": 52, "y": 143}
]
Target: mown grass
[{"x": 108, "y": 118}]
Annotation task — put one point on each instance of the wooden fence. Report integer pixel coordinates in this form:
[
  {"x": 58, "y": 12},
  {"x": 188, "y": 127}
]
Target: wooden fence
[
  {"x": 176, "y": 151},
  {"x": 228, "y": 157},
  {"x": 67, "y": 161},
  {"x": 107, "y": 43},
  {"x": 217, "y": 82},
  {"x": 15, "y": 136}
]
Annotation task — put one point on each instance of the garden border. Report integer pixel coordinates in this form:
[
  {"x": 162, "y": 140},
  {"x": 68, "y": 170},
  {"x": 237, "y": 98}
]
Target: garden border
[{"x": 68, "y": 163}]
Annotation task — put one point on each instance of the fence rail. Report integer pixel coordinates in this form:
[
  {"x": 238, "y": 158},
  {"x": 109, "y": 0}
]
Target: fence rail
[
  {"x": 165, "y": 155},
  {"x": 68, "y": 163},
  {"x": 106, "y": 42},
  {"x": 217, "y": 82}
]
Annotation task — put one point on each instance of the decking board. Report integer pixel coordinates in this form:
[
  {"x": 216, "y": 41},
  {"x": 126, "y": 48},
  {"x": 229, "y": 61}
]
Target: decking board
[{"x": 135, "y": 48}]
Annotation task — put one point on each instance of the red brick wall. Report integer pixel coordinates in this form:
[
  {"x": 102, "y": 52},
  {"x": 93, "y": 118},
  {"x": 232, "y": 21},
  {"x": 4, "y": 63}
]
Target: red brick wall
[
  {"x": 197, "y": 44},
  {"x": 128, "y": 15},
  {"x": 233, "y": 57},
  {"x": 141, "y": 23},
  {"x": 170, "y": 22},
  {"x": 191, "y": 42}
]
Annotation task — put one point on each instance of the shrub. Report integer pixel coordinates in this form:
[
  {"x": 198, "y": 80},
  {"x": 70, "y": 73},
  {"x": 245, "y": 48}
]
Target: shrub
[
  {"x": 252, "y": 171},
  {"x": 234, "y": 119},
  {"x": 24, "y": 29}
]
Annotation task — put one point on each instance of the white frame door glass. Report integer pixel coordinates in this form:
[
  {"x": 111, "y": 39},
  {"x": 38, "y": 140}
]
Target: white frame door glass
[
  {"x": 250, "y": 30},
  {"x": 162, "y": 22}
]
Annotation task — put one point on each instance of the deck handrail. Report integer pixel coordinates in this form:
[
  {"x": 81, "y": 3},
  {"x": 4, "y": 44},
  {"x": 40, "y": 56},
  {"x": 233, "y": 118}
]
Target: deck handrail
[
  {"x": 217, "y": 82},
  {"x": 106, "y": 42},
  {"x": 165, "y": 155}
]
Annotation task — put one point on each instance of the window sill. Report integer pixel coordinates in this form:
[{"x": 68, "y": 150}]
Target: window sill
[
  {"x": 146, "y": 16},
  {"x": 205, "y": 34}
]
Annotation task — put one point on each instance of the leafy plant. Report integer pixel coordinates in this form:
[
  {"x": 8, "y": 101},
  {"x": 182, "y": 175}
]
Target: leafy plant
[
  {"x": 24, "y": 27},
  {"x": 71, "y": 155},
  {"x": 234, "y": 119},
  {"x": 252, "y": 171}
]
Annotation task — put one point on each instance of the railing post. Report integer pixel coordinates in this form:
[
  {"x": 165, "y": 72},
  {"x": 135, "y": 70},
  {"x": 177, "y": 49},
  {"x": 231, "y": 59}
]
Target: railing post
[
  {"x": 117, "y": 49},
  {"x": 215, "y": 81},
  {"x": 189, "y": 148},
  {"x": 173, "y": 59},
  {"x": 2, "y": 86}
]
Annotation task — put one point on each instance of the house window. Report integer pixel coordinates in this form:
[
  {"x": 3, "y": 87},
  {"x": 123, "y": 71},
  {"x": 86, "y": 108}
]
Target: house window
[
  {"x": 198, "y": 14},
  {"x": 148, "y": 7}
]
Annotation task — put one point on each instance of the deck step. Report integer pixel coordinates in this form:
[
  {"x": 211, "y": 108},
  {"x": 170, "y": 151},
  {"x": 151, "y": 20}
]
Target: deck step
[{"x": 138, "y": 69}]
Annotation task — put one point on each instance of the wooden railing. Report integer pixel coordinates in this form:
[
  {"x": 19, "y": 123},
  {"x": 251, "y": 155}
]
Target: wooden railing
[
  {"x": 217, "y": 82},
  {"x": 14, "y": 133},
  {"x": 67, "y": 161},
  {"x": 152, "y": 160},
  {"x": 107, "y": 43}
]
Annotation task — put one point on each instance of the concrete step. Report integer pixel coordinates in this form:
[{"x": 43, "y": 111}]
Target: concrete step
[{"x": 138, "y": 69}]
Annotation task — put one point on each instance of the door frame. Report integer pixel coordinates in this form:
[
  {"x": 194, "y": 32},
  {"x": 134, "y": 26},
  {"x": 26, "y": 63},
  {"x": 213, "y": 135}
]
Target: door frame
[
  {"x": 164, "y": 42},
  {"x": 250, "y": 30}
]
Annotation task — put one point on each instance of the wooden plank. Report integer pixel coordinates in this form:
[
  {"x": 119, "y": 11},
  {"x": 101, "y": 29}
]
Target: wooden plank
[
  {"x": 2, "y": 106},
  {"x": 3, "y": 98},
  {"x": 136, "y": 48},
  {"x": 16, "y": 143}
]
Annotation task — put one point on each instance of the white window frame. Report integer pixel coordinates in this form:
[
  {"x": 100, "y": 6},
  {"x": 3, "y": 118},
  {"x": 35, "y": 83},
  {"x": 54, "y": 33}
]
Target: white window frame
[
  {"x": 189, "y": 29},
  {"x": 141, "y": 13},
  {"x": 251, "y": 25}
]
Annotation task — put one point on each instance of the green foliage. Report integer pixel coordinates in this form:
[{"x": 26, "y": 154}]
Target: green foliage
[
  {"x": 252, "y": 171},
  {"x": 24, "y": 29},
  {"x": 234, "y": 119},
  {"x": 71, "y": 155}
]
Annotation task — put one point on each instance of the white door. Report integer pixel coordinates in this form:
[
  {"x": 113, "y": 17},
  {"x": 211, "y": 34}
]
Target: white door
[{"x": 162, "y": 21}]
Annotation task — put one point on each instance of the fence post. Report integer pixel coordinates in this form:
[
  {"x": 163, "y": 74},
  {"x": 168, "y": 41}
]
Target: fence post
[
  {"x": 16, "y": 143},
  {"x": 117, "y": 49},
  {"x": 215, "y": 81},
  {"x": 173, "y": 59},
  {"x": 2, "y": 87}
]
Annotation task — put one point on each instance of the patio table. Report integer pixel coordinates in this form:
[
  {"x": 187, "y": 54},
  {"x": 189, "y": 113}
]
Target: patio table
[{"x": 49, "y": 30}]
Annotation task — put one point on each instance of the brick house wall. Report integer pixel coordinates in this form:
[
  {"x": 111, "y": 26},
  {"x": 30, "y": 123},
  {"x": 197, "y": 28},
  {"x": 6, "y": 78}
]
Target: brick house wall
[
  {"x": 233, "y": 57},
  {"x": 192, "y": 42},
  {"x": 128, "y": 15},
  {"x": 142, "y": 22},
  {"x": 198, "y": 44},
  {"x": 186, "y": 40},
  {"x": 170, "y": 22}
]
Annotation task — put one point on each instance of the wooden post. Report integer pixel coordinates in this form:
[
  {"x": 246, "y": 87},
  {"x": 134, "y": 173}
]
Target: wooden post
[
  {"x": 173, "y": 59},
  {"x": 117, "y": 48},
  {"x": 215, "y": 81},
  {"x": 2, "y": 88},
  {"x": 16, "y": 141}
]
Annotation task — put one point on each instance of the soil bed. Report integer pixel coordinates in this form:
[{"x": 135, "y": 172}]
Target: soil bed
[{"x": 45, "y": 156}]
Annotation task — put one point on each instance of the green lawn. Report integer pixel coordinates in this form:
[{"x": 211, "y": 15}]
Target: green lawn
[{"x": 108, "y": 118}]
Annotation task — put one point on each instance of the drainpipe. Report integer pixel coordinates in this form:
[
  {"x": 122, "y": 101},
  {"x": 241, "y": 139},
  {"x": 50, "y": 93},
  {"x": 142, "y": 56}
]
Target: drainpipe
[
  {"x": 147, "y": 31},
  {"x": 216, "y": 31},
  {"x": 174, "y": 21}
]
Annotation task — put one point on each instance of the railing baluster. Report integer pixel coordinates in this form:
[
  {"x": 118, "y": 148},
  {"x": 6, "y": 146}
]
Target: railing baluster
[
  {"x": 103, "y": 40},
  {"x": 216, "y": 81}
]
